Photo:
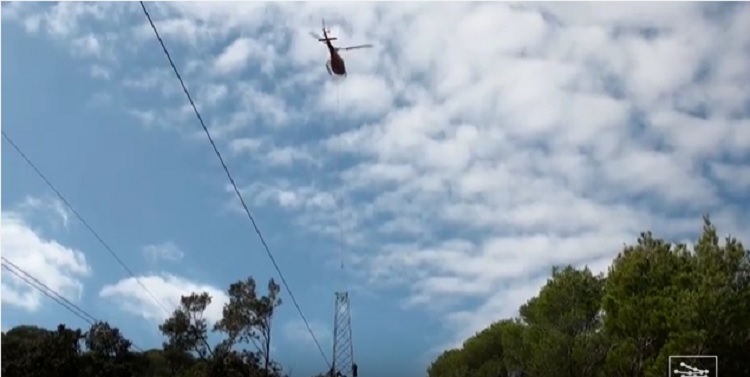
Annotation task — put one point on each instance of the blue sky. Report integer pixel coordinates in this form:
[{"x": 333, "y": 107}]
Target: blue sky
[{"x": 455, "y": 165}]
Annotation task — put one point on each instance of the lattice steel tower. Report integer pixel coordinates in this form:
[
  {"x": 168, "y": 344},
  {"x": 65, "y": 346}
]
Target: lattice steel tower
[{"x": 343, "y": 348}]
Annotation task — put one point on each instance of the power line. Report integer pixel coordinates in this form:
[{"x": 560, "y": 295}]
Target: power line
[
  {"x": 234, "y": 185},
  {"x": 84, "y": 222},
  {"x": 47, "y": 291},
  {"x": 52, "y": 294}
]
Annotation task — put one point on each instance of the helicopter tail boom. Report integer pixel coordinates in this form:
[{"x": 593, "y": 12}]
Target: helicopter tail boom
[{"x": 326, "y": 38}]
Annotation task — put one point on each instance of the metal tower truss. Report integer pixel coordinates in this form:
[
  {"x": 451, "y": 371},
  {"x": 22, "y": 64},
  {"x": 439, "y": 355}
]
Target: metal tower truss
[{"x": 343, "y": 348}]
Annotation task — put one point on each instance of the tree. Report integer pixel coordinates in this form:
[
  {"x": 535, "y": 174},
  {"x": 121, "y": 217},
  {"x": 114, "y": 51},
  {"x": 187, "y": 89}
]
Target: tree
[
  {"x": 33, "y": 351},
  {"x": 449, "y": 364},
  {"x": 665, "y": 300},
  {"x": 645, "y": 292},
  {"x": 109, "y": 352},
  {"x": 102, "y": 350},
  {"x": 658, "y": 299},
  {"x": 560, "y": 322},
  {"x": 246, "y": 320},
  {"x": 186, "y": 330}
]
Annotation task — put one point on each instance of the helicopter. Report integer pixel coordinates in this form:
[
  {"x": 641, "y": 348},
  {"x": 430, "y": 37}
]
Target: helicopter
[{"x": 335, "y": 64}]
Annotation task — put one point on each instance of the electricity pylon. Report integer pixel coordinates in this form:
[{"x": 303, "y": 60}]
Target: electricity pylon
[{"x": 343, "y": 348}]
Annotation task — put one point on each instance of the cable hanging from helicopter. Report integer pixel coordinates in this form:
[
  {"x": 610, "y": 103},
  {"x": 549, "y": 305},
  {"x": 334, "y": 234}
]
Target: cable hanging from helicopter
[{"x": 335, "y": 64}]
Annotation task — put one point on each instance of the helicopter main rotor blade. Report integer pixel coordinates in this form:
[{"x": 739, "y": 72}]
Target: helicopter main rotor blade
[
  {"x": 316, "y": 36},
  {"x": 355, "y": 47}
]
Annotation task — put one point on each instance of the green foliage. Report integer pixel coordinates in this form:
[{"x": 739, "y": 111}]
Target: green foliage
[
  {"x": 27, "y": 350},
  {"x": 102, "y": 351},
  {"x": 658, "y": 299},
  {"x": 247, "y": 318}
]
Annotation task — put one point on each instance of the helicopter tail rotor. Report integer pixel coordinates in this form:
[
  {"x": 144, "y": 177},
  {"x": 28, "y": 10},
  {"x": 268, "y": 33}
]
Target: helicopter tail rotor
[
  {"x": 326, "y": 32},
  {"x": 321, "y": 39}
]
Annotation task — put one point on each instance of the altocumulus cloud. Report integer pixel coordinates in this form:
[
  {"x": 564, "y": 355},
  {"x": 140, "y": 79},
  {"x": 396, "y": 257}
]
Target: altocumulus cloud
[
  {"x": 483, "y": 142},
  {"x": 166, "y": 251}
]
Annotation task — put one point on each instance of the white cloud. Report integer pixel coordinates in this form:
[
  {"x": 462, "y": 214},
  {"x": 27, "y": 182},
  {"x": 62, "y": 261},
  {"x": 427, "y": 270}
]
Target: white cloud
[
  {"x": 167, "y": 289},
  {"x": 296, "y": 332},
  {"x": 734, "y": 177},
  {"x": 214, "y": 94},
  {"x": 356, "y": 96},
  {"x": 235, "y": 56},
  {"x": 166, "y": 251},
  {"x": 58, "y": 267},
  {"x": 289, "y": 197},
  {"x": 186, "y": 31},
  {"x": 245, "y": 145},
  {"x": 31, "y": 207},
  {"x": 529, "y": 134},
  {"x": 146, "y": 117},
  {"x": 161, "y": 79},
  {"x": 270, "y": 108},
  {"x": 100, "y": 72},
  {"x": 276, "y": 156},
  {"x": 87, "y": 45}
]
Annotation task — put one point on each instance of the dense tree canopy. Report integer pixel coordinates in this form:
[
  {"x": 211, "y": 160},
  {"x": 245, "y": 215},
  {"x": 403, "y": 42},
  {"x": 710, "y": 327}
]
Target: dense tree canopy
[
  {"x": 102, "y": 351},
  {"x": 657, "y": 299}
]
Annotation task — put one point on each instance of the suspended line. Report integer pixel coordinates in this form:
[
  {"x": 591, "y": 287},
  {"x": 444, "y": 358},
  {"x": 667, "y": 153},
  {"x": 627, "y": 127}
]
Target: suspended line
[
  {"x": 84, "y": 222},
  {"x": 52, "y": 294},
  {"x": 47, "y": 291},
  {"x": 232, "y": 182},
  {"x": 340, "y": 200}
]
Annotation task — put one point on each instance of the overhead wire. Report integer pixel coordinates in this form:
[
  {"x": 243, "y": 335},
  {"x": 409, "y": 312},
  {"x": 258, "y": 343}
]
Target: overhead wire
[
  {"x": 84, "y": 222},
  {"x": 90, "y": 229},
  {"x": 234, "y": 185},
  {"x": 52, "y": 294},
  {"x": 343, "y": 241},
  {"x": 47, "y": 291},
  {"x": 339, "y": 199}
]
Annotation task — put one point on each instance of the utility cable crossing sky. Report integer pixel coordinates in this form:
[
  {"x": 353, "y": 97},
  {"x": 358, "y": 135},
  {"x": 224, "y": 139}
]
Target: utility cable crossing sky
[
  {"x": 84, "y": 222},
  {"x": 47, "y": 291},
  {"x": 52, "y": 294},
  {"x": 234, "y": 185}
]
